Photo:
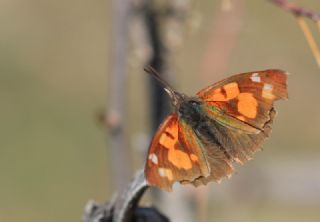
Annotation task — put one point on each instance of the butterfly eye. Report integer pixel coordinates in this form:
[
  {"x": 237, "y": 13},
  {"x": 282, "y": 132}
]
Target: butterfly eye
[{"x": 194, "y": 103}]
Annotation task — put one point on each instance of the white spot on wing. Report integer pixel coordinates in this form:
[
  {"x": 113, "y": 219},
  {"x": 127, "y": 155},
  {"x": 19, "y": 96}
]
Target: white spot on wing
[
  {"x": 267, "y": 87},
  {"x": 255, "y": 77},
  {"x": 162, "y": 172},
  {"x": 267, "y": 92},
  {"x": 153, "y": 157}
]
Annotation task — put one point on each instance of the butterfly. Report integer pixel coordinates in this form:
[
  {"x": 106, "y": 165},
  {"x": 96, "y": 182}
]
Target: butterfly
[{"x": 222, "y": 124}]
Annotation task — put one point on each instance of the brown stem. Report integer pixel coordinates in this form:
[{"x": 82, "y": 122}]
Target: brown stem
[
  {"x": 301, "y": 13},
  {"x": 309, "y": 37},
  {"x": 297, "y": 10},
  {"x": 117, "y": 146},
  {"x": 222, "y": 41}
]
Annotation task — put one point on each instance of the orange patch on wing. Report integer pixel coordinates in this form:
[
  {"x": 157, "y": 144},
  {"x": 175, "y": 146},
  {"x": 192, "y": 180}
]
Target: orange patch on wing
[
  {"x": 217, "y": 95},
  {"x": 193, "y": 157},
  {"x": 169, "y": 174},
  {"x": 232, "y": 90},
  {"x": 268, "y": 95},
  {"x": 247, "y": 105},
  {"x": 169, "y": 137},
  {"x": 180, "y": 159}
]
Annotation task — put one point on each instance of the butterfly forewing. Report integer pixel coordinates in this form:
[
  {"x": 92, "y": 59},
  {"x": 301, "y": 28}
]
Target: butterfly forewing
[
  {"x": 249, "y": 96},
  {"x": 175, "y": 155}
]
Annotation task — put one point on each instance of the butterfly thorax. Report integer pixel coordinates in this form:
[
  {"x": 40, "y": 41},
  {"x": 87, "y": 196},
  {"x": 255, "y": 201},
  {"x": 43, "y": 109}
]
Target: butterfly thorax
[{"x": 190, "y": 110}]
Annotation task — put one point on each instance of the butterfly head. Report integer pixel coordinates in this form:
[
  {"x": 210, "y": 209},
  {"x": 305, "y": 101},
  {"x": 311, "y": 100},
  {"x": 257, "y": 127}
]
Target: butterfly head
[
  {"x": 176, "y": 98},
  {"x": 188, "y": 108}
]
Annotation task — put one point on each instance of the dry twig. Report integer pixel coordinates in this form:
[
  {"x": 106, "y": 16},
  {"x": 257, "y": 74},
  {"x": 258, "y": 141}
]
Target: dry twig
[
  {"x": 297, "y": 10},
  {"x": 310, "y": 39},
  {"x": 124, "y": 208},
  {"x": 119, "y": 151},
  {"x": 301, "y": 13}
]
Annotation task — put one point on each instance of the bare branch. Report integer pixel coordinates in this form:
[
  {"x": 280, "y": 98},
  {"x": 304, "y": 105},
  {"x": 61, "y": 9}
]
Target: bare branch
[
  {"x": 310, "y": 39},
  {"x": 130, "y": 197},
  {"x": 301, "y": 13},
  {"x": 226, "y": 26},
  {"x": 124, "y": 207},
  {"x": 297, "y": 10},
  {"x": 120, "y": 161}
]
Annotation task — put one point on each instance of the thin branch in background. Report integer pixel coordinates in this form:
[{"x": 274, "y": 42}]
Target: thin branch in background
[
  {"x": 300, "y": 13},
  {"x": 201, "y": 198},
  {"x": 163, "y": 26},
  {"x": 226, "y": 5},
  {"x": 156, "y": 20},
  {"x": 310, "y": 39},
  {"x": 318, "y": 25},
  {"x": 297, "y": 10},
  {"x": 120, "y": 160},
  {"x": 158, "y": 99},
  {"x": 226, "y": 26}
]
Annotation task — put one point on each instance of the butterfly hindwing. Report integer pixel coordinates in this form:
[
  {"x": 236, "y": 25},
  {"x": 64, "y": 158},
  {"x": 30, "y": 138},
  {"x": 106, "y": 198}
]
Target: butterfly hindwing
[
  {"x": 239, "y": 145},
  {"x": 248, "y": 96},
  {"x": 175, "y": 155}
]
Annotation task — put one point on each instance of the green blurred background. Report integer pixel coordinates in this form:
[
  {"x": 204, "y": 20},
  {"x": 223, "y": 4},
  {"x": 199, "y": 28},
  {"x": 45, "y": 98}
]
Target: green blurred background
[{"x": 54, "y": 67}]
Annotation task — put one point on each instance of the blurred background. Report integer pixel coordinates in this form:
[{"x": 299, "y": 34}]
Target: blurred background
[{"x": 55, "y": 74}]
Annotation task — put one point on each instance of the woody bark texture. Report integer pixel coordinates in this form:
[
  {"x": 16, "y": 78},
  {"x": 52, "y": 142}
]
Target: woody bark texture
[{"x": 124, "y": 208}]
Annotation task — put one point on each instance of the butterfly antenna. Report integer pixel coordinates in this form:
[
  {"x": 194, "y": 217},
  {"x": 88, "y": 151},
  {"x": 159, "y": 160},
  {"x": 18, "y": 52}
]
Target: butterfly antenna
[
  {"x": 150, "y": 70},
  {"x": 176, "y": 97}
]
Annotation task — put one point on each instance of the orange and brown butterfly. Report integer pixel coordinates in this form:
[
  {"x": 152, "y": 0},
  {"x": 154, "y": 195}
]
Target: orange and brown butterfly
[{"x": 205, "y": 134}]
